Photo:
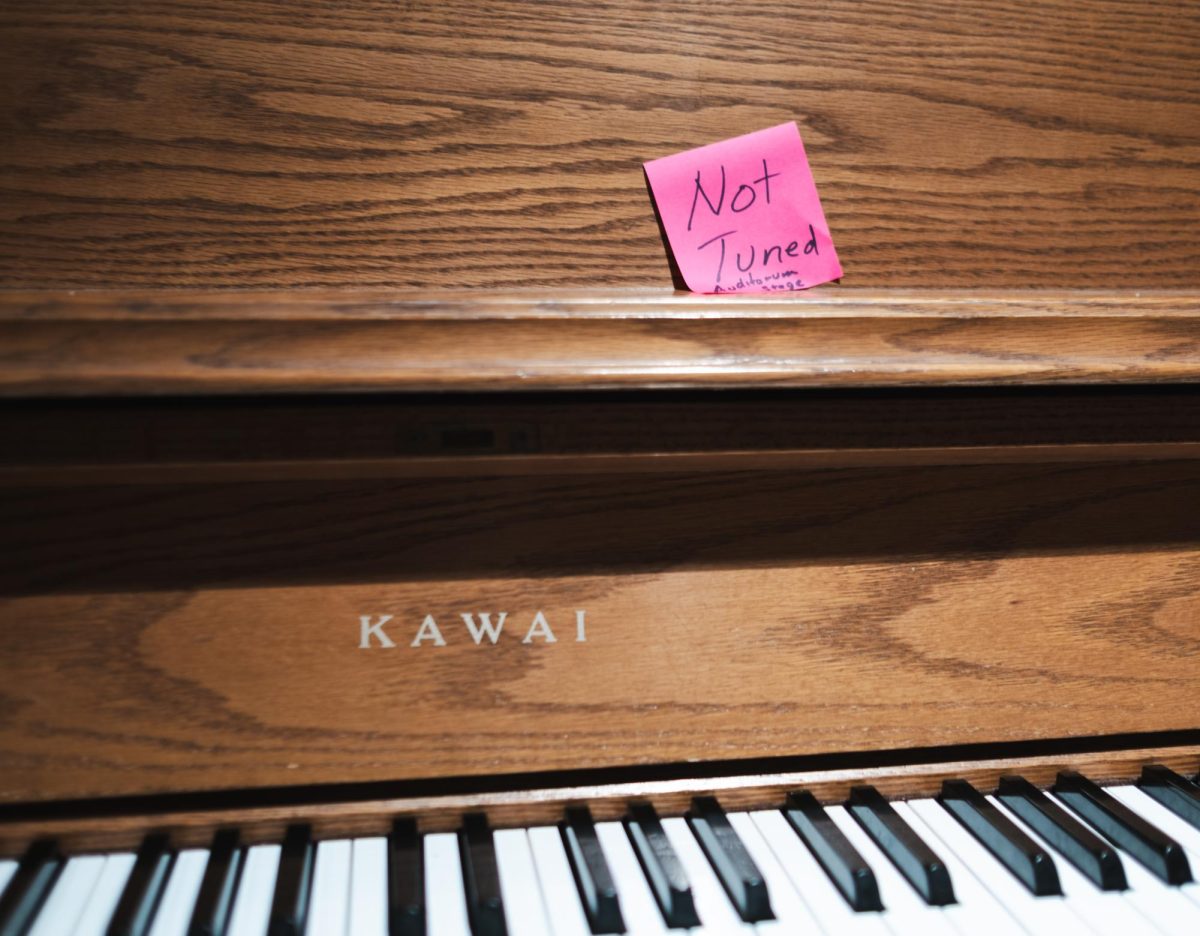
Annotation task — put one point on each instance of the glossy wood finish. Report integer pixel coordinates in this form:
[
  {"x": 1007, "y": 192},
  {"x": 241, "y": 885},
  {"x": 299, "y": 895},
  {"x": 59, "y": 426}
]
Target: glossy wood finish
[
  {"x": 60, "y": 343},
  {"x": 207, "y": 636},
  {"x": 115, "y": 826},
  {"x": 364, "y": 197},
  {"x": 417, "y": 145}
]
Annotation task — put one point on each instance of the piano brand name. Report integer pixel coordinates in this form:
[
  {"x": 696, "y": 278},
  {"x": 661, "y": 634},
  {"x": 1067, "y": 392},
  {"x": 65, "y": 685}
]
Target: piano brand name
[{"x": 384, "y": 632}]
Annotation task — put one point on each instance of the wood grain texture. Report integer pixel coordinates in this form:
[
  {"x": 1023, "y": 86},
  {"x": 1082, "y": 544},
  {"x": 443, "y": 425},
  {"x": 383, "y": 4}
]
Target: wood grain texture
[
  {"x": 473, "y": 172},
  {"x": 191, "y": 637},
  {"x": 111, "y": 829},
  {"x": 147, "y": 342},
  {"x": 416, "y": 145}
]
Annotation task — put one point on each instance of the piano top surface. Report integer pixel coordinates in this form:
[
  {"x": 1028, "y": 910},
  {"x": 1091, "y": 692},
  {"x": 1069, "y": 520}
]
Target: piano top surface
[{"x": 425, "y": 146}]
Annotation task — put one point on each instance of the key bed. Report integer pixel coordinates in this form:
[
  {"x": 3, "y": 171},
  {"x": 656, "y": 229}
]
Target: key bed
[{"x": 798, "y": 866}]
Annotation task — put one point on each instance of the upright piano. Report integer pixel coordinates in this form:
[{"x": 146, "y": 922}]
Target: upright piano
[{"x": 390, "y": 548}]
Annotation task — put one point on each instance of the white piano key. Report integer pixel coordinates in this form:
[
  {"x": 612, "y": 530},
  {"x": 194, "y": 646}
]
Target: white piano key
[
  {"x": 563, "y": 906},
  {"x": 368, "y": 887},
  {"x": 179, "y": 898},
  {"x": 103, "y": 900},
  {"x": 445, "y": 896},
  {"x": 638, "y": 906},
  {"x": 1106, "y": 912},
  {"x": 716, "y": 912},
  {"x": 977, "y": 910},
  {"x": 907, "y": 912},
  {"x": 1154, "y": 812},
  {"x": 1163, "y": 905},
  {"x": 8, "y": 868},
  {"x": 66, "y": 902},
  {"x": 256, "y": 891},
  {"x": 329, "y": 905},
  {"x": 819, "y": 893},
  {"x": 1041, "y": 915},
  {"x": 792, "y": 915},
  {"x": 524, "y": 908}
]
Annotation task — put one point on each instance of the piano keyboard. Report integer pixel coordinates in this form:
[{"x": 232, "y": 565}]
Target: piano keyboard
[{"x": 1076, "y": 858}]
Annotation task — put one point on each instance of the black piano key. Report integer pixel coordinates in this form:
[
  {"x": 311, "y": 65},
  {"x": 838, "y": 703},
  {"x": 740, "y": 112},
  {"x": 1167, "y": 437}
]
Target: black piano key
[
  {"x": 144, "y": 888},
  {"x": 289, "y": 908},
  {"x": 406, "y": 880},
  {"x": 1177, "y": 793},
  {"x": 1073, "y": 840},
  {"x": 736, "y": 870},
  {"x": 481, "y": 877},
  {"x": 668, "y": 880},
  {"x": 847, "y": 869},
  {"x": 925, "y": 871},
  {"x": 27, "y": 888},
  {"x": 1161, "y": 854},
  {"x": 592, "y": 875},
  {"x": 218, "y": 887},
  {"x": 1027, "y": 860}
]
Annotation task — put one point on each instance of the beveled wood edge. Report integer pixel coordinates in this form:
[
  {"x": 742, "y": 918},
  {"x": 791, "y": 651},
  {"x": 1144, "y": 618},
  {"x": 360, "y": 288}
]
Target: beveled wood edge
[
  {"x": 90, "y": 343},
  {"x": 326, "y": 469},
  {"x": 173, "y": 305},
  {"x": 607, "y": 801}
]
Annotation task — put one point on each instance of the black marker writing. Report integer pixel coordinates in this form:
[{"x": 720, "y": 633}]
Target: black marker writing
[
  {"x": 733, "y": 202},
  {"x": 700, "y": 191},
  {"x": 811, "y": 246},
  {"x": 743, "y": 198},
  {"x": 721, "y": 238},
  {"x": 766, "y": 180},
  {"x": 779, "y": 250}
]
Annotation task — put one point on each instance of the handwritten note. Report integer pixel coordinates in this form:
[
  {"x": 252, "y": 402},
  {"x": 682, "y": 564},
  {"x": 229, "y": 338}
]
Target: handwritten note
[{"x": 743, "y": 215}]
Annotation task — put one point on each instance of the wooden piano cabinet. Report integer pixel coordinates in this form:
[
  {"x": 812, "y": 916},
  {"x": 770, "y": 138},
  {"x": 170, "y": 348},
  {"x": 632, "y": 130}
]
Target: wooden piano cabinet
[
  {"x": 202, "y": 635},
  {"x": 326, "y": 330}
]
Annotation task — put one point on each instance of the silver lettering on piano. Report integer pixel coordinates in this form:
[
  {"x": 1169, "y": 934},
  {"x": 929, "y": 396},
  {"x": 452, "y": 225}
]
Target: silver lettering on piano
[
  {"x": 479, "y": 624},
  {"x": 485, "y": 625},
  {"x": 369, "y": 630},
  {"x": 429, "y": 631},
  {"x": 539, "y": 628}
]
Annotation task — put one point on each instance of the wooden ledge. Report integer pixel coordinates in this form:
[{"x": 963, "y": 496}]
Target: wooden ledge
[
  {"x": 117, "y": 830},
  {"x": 70, "y": 343}
]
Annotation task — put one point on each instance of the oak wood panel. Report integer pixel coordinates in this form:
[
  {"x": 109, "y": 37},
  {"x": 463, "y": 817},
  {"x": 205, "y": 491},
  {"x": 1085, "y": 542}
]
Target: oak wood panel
[
  {"x": 198, "y": 637},
  {"x": 65, "y": 343},
  {"x": 112, "y": 829},
  {"x": 238, "y": 143}
]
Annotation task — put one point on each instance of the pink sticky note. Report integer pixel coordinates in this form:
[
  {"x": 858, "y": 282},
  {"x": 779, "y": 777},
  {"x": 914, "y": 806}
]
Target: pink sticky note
[{"x": 743, "y": 215}]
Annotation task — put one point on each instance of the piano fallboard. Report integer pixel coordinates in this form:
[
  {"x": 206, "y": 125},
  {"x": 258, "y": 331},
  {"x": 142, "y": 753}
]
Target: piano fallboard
[{"x": 498, "y": 586}]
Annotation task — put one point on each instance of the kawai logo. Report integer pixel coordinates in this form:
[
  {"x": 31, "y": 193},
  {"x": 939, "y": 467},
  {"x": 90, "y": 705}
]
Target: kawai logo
[{"x": 382, "y": 631}]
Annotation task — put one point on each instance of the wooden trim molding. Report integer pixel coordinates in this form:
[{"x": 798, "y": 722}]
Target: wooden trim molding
[
  {"x": 71, "y": 343},
  {"x": 592, "y": 464}
]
